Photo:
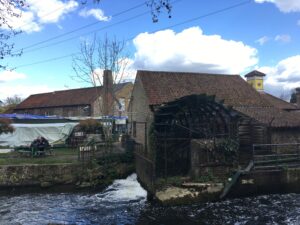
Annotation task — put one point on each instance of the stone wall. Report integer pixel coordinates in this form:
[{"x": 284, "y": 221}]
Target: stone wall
[
  {"x": 125, "y": 94},
  {"x": 139, "y": 112},
  {"x": 267, "y": 182},
  {"x": 42, "y": 175},
  {"x": 52, "y": 175},
  {"x": 97, "y": 108}
]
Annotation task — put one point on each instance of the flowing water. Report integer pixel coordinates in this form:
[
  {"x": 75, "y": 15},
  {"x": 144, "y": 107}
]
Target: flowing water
[{"x": 124, "y": 202}]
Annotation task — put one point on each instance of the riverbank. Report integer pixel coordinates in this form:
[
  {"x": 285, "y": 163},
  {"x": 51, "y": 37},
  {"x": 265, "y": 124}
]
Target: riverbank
[
  {"x": 61, "y": 177},
  {"x": 61, "y": 171}
]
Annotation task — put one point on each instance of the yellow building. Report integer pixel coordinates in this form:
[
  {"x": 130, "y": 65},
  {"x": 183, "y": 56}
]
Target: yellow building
[{"x": 256, "y": 80}]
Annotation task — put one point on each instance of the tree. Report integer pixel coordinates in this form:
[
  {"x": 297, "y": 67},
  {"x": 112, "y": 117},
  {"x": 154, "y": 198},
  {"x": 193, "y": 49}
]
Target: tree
[
  {"x": 294, "y": 92},
  {"x": 13, "y": 100},
  {"x": 10, "y": 103},
  {"x": 8, "y": 9},
  {"x": 157, "y": 6},
  {"x": 13, "y": 8},
  {"x": 89, "y": 66},
  {"x": 293, "y": 98},
  {"x": 95, "y": 57}
]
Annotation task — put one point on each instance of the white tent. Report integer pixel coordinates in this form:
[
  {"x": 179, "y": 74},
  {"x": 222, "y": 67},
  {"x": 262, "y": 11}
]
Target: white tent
[{"x": 24, "y": 134}]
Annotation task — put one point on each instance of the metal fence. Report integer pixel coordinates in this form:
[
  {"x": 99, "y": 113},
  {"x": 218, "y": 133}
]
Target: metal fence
[
  {"x": 270, "y": 156},
  {"x": 86, "y": 153}
]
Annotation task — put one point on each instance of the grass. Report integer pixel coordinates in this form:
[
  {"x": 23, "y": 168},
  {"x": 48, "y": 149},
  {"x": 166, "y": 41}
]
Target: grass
[{"x": 61, "y": 155}]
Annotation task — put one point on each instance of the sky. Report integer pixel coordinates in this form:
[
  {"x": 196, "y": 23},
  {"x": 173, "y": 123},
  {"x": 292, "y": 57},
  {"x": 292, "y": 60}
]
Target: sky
[{"x": 216, "y": 36}]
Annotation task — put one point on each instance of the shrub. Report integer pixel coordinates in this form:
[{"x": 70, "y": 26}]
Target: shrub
[
  {"x": 229, "y": 148},
  {"x": 5, "y": 126},
  {"x": 91, "y": 126}
]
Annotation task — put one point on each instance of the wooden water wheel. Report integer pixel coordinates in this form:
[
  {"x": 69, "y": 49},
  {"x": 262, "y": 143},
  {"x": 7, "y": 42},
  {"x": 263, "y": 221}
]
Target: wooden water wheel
[{"x": 179, "y": 121}]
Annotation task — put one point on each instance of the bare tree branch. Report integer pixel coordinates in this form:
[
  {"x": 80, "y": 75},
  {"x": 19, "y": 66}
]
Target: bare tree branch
[
  {"x": 8, "y": 9},
  {"x": 97, "y": 55}
]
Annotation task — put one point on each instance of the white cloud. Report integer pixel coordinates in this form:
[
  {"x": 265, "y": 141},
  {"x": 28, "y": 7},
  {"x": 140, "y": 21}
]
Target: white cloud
[
  {"x": 8, "y": 86},
  {"x": 25, "y": 23},
  {"x": 126, "y": 72},
  {"x": 51, "y": 11},
  {"x": 262, "y": 40},
  {"x": 39, "y": 13},
  {"x": 191, "y": 50},
  {"x": 8, "y": 75},
  {"x": 22, "y": 91},
  {"x": 283, "y": 77},
  {"x": 97, "y": 13},
  {"x": 285, "y": 38},
  {"x": 285, "y": 6}
]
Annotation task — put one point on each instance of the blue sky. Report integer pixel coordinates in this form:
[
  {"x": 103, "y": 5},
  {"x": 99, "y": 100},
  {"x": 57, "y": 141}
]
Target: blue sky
[{"x": 230, "y": 39}]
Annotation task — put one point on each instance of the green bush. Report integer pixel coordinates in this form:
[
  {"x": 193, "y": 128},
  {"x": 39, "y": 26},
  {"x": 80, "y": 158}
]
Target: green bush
[
  {"x": 229, "y": 148},
  {"x": 91, "y": 126}
]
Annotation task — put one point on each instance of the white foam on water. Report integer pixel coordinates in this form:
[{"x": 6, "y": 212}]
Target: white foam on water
[
  {"x": 6, "y": 150},
  {"x": 124, "y": 190}
]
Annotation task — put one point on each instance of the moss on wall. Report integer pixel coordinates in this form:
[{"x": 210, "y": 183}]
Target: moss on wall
[{"x": 75, "y": 175}]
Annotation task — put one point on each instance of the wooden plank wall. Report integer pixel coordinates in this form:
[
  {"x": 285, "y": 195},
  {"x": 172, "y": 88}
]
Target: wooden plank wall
[{"x": 252, "y": 132}]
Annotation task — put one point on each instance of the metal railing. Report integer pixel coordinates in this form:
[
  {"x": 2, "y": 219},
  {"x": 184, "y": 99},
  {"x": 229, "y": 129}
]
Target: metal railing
[{"x": 276, "y": 155}]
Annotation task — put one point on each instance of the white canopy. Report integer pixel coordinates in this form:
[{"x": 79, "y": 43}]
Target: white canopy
[{"x": 24, "y": 134}]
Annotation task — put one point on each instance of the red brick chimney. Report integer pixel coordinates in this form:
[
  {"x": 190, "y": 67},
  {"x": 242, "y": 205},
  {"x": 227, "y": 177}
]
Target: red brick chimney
[{"x": 107, "y": 93}]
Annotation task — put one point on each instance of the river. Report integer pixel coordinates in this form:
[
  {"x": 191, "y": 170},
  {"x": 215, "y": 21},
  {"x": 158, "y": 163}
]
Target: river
[{"x": 125, "y": 202}]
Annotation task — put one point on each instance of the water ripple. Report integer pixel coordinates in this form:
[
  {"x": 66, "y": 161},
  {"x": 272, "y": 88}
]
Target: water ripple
[{"x": 124, "y": 202}]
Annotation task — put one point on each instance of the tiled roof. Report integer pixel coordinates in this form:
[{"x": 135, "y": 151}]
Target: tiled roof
[
  {"x": 81, "y": 96},
  {"x": 271, "y": 116},
  {"x": 255, "y": 73},
  {"x": 277, "y": 102},
  {"x": 162, "y": 87}
]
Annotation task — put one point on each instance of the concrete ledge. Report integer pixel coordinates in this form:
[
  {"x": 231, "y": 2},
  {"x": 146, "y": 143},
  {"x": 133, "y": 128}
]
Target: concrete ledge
[{"x": 189, "y": 193}]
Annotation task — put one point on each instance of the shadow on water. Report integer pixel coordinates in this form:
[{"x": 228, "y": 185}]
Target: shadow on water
[
  {"x": 125, "y": 202},
  {"x": 261, "y": 210}
]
